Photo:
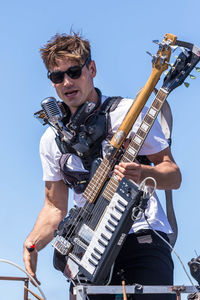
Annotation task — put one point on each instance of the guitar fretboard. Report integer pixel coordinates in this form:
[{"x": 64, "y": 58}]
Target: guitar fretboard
[
  {"x": 96, "y": 183},
  {"x": 138, "y": 139}
]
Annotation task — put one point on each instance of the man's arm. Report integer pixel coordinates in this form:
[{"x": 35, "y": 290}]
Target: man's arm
[
  {"x": 164, "y": 171},
  {"x": 53, "y": 211}
]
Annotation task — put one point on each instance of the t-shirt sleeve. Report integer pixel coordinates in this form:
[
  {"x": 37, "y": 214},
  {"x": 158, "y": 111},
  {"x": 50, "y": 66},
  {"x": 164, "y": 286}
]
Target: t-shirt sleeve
[
  {"x": 155, "y": 140},
  {"x": 50, "y": 156}
]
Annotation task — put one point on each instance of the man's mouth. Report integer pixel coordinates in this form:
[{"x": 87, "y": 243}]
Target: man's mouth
[{"x": 71, "y": 93}]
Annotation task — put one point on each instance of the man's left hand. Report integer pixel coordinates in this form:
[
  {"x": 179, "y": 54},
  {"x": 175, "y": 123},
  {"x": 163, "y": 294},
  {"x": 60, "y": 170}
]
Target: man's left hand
[{"x": 129, "y": 170}]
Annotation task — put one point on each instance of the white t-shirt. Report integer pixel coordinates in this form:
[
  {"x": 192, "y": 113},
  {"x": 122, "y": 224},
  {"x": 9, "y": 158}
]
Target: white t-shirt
[{"x": 154, "y": 143}]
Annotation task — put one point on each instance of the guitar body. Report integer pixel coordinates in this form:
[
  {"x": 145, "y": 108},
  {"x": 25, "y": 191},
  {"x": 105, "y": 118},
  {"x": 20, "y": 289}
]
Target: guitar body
[
  {"x": 99, "y": 236},
  {"x": 68, "y": 227}
]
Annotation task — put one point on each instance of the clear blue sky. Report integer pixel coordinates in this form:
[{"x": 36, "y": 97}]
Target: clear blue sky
[{"x": 120, "y": 32}]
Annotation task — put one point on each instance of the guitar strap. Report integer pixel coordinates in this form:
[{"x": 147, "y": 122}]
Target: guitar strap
[{"x": 166, "y": 121}]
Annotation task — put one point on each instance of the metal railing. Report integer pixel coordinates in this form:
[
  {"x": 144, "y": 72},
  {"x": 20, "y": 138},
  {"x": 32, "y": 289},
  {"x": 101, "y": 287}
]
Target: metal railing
[
  {"x": 81, "y": 291},
  {"x": 24, "y": 279}
]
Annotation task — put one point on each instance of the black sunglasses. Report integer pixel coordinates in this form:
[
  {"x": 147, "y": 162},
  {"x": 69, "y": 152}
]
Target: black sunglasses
[{"x": 73, "y": 72}]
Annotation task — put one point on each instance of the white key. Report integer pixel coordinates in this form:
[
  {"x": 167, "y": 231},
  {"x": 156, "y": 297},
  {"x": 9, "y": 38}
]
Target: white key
[
  {"x": 93, "y": 261},
  {"x": 120, "y": 207},
  {"x": 113, "y": 220},
  {"x": 96, "y": 255},
  {"x": 102, "y": 241},
  {"x": 122, "y": 200},
  {"x": 115, "y": 213},
  {"x": 95, "y": 244},
  {"x": 105, "y": 231},
  {"x": 88, "y": 266},
  {"x": 110, "y": 227}
]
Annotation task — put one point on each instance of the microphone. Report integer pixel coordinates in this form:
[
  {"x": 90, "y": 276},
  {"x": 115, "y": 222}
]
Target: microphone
[
  {"x": 52, "y": 109},
  {"x": 55, "y": 115}
]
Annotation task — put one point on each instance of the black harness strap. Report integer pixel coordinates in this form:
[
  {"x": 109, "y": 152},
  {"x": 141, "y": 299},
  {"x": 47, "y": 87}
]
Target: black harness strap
[{"x": 87, "y": 142}]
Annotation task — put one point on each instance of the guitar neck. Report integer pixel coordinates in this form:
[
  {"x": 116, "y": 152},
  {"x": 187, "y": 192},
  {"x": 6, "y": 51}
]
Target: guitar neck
[{"x": 138, "y": 140}]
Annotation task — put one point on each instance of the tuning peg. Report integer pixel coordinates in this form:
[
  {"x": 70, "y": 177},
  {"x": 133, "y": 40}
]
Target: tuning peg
[
  {"x": 197, "y": 69},
  {"x": 173, "y": 48},
  {"x": 154, "y": 57},
  {"x": 169, "y": 64},
  {"x": 165, "y": 44},
  {"x": 156, "y": 42},
  {"x": 149, "y": 53},
  {"x": 192, "y": 76},
  {"x": 185, "y": 51},
  {"x": 163, "y": 60},
  {"x": 161, "y": 45},
  {"x": 186, "y": 84}
]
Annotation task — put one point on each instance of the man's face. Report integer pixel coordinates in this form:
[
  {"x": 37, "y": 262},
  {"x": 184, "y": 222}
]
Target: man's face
[{"x": 75, "y": 92}]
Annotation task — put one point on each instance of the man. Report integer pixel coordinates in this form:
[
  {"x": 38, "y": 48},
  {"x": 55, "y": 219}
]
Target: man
[{"x": 71, "y": 70}]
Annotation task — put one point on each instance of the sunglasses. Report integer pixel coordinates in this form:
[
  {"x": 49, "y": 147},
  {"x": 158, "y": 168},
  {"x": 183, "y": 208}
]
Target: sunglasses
[{"x": 73, "y": 72}]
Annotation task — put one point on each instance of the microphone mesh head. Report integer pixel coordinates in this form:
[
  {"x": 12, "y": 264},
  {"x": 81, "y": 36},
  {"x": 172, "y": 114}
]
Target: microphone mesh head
[{"x": 51, "y": 108}]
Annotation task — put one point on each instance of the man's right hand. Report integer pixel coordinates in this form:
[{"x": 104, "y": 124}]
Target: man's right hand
[
  {"x": 53, "y": 211},
  {"x": 30, "y": 262}
]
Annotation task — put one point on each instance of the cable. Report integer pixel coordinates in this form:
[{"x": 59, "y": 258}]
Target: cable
[
  {"x": 173, "y": 251},
  {"x": 138, "y": 211},
  {"x": 30, "y": 277},
  {"x": 111, "y": 274},
  {"x": 142, "y": 186}
]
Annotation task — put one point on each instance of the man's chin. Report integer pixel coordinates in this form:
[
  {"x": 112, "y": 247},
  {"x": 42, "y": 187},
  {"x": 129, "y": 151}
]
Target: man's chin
[{"x": 73, "y": 104}]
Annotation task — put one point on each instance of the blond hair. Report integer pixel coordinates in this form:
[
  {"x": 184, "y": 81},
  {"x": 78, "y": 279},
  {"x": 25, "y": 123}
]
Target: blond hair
[{"x": 63, "y": 46}]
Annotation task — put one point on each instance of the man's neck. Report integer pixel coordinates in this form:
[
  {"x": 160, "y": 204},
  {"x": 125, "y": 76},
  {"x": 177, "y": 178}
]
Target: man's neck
[{"x": 92, "y": 97}]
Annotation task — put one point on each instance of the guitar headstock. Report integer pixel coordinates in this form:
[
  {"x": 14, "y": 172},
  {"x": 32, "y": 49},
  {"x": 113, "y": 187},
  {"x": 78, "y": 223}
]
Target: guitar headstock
[
  {"x": 160, "y": 60},
  {"x": 181, "y": 69}
]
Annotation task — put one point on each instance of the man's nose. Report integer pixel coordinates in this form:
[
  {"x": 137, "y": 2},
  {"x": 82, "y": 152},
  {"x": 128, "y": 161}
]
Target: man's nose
[{"x": 67, "y": 81}]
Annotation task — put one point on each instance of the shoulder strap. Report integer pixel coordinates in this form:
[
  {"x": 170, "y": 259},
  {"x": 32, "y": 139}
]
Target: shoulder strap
[
  {"x": 166, "y": 121},
  {"x": 110, "y": 104}
]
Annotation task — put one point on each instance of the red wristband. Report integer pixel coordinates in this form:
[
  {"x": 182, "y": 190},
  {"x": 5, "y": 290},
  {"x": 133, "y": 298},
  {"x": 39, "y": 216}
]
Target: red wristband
[{"x": 31, "y": 248}]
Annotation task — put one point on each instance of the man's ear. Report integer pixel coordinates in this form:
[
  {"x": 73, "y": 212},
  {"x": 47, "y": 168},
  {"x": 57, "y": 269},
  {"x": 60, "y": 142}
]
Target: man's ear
[
  {"x": 53, "y": 84},
  {"x": 92, "y": 68}
]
